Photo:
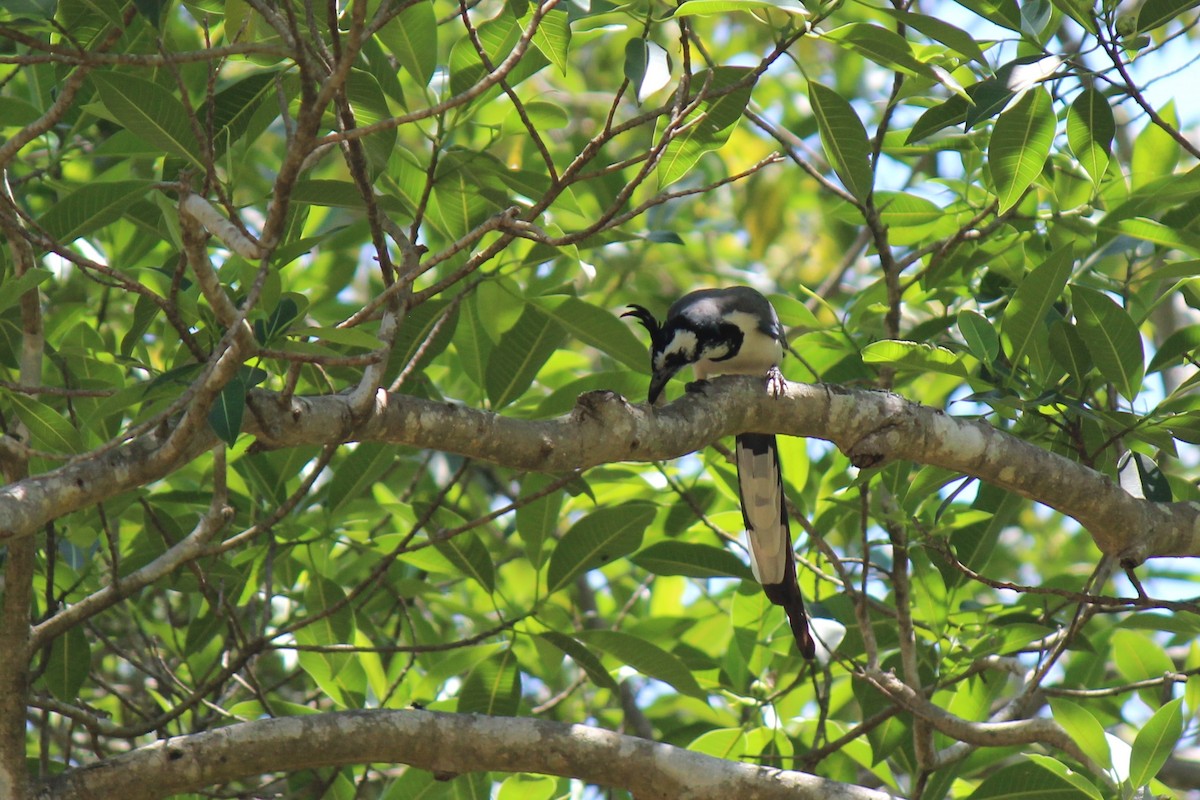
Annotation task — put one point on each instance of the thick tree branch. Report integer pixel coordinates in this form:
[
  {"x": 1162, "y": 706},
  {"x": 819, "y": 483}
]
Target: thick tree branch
[
  {"x": 871, "y": 427},
  {"x": 444, "y": 743}
]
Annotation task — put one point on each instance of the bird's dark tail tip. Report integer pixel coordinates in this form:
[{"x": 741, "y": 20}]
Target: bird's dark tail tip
[{"x": 781, "y": 594}]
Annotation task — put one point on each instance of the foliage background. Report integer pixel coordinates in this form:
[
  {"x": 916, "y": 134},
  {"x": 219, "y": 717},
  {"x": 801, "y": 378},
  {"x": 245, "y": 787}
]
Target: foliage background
[{"x": 974, "y": 204}]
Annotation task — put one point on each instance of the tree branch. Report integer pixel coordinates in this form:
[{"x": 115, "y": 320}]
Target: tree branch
[
  {"x": 444, "y": 743},
  {"x": 871, "y": 427}
]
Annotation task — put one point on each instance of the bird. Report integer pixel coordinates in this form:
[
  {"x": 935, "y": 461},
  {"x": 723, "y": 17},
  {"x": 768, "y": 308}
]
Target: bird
[{"x": 735, "y": 331}]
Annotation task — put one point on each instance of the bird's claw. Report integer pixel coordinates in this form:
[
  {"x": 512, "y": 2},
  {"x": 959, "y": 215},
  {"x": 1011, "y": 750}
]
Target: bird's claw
[{"x": 775, "y": 382}]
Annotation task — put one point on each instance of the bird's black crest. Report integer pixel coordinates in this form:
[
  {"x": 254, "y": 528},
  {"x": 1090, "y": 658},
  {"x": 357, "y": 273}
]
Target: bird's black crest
[{"x": 648, "y": 321}]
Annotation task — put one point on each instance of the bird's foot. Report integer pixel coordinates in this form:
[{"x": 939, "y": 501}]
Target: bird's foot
[
  {"x": 696, "y": 387},
  {"x": 775, "y": 382}
]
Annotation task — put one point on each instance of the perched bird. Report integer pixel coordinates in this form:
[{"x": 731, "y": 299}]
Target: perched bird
[{"x": 736, "y": 331}]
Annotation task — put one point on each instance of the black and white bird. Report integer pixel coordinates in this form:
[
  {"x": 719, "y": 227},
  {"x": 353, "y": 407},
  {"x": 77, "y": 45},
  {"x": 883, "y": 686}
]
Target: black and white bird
[{"x": 736, "y": 331}]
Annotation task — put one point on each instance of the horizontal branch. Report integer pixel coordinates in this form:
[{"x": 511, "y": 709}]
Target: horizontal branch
[
  {"x": 446, "y": 744},
  {"x": 871, "y": 427}
]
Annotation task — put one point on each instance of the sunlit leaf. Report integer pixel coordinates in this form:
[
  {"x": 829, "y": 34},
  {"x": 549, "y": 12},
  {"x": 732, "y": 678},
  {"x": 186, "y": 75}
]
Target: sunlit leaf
[
  {"x": 150, "y": 112},
  {"x": 1020, "y": 145},
  {"x": 1112, "y": 338},
  {"x": 844, "y": 139},
  {"x": 597, "y": 539},
  {"x": 1155, "y": 742}
]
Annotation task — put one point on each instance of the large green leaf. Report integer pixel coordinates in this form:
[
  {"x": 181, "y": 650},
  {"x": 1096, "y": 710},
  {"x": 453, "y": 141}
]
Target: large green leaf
[
  {"x": 553, "y": 37},
  {"x": 648, "y": 659},
  {"x": 709, "y": 126},
  {"x": 936, "y": 28},
  {"x": 51, "y": 431},
  {"x": 920, "y": 356},
  {"x": 1090, "y": 132},
  {"x": 1025, "y": 316},
  {"x": 691, "y": 559},
  {"x": 716, "y": 8},
  {"x": 1155, "y": 743},
  {"x": 67, "y": 667},
  {"x": 227, "y": 410},
  {"x": 1159, "y": 12},
  {"x": 597, "y": 539},
  {"x": 91, "y": 206},
  {"x": 585, "y": 659},
  {"x": 597, "y": 327},
  {"x": 1028, "y": 780},
  {"x": 467, "y": 552},
  {"x": 1155, "y": 152},
  {"x": 1020, "y": 145},
  {"x": 537, "y": 520},
  {"x": 150, "y": 112},
  {"x": 886, "y": 48},
  {"x": 1112, "y": 338},
  {"x": 844, "y": 139},
  {"x": 412, "y": 37},
  {"x": 519, "y": 354},
  {"x": 1083, "y": 728},
  {"x": 492, "y": 687}
]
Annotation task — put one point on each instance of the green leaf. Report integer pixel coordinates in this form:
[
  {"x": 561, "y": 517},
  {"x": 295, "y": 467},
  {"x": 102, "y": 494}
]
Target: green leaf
[
  {"x": 904, "y": 210},
  {"x": 1069, "y": 349},
  {"x": 597, "y": 327},
  {"x": 1084, "y": 729},
  {"x": 68, "y": 665},
  {"x": 1027, "y": 780},
  {"x": 1025, "y": 317},
  {"x": 237, "y": 109},
  {"x": 844, "y": 139},
  {"x": 980, "y": 335},
  {"x": 499, "y": 36},
  {"x": 1183, "y": 342},
  {"x": 1155, "y": 742},
  {"x": 425, "y": 332},
  {"x": 520, "y": 354},
  {"x": 469, "y": 554},
  {"x": 951, "y": 112},
  {"x": 604, "y": 535},
  {"x": 1149, "y": 230},
  {"x": 1155, "y": 152},
  {"x": 553, "y": 37},
  {"x": 955, "y": 38},
  {"x": 691, "y": 559},
  {"x": 882, "y": 46},
  {"x": 919, "y": 356},
  {"x": 1154, "y": 13},
  {"x": 537, "y": 520},
  {"x": 354, "y": 474},
  {"x": 493, "y": 687},
  {"x": 648, "y": 659},
  {"x": 711, "y": 8},
  {"x": 412, "y": 37},
  {"x": 1138, "y": 657},
  {"x": 708, "y": 126},
  {"x": 227, "y": 410},
  {"x": 1090, "y": 132},
  {"x": 583, "y": 658},
  {"x": 11, "y": 289},
  {"x": 51, "y": 431},
  {"x": 149, "y": 112},
  {"x": 93, "y": 205},
  {"x": 1020, "y": 145},
  {"x": 472, "y": 342},
  {"x": 1112, "y": 339}
]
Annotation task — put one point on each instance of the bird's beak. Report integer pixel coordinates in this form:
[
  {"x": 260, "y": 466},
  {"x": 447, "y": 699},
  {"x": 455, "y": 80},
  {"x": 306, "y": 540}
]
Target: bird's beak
[{"x": 658, "y": 382}]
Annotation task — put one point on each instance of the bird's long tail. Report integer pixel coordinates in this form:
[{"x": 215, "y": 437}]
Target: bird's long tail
[{"x": 760, "y": 482}]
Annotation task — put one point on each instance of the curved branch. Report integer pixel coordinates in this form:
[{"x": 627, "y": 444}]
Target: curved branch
[
  {"x": 447, "y": 744},
  {"x": 871, "y": 427}
]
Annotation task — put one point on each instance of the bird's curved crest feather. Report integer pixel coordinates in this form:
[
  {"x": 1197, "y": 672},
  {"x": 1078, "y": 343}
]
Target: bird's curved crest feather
[{"x": 648, "y": 321}]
